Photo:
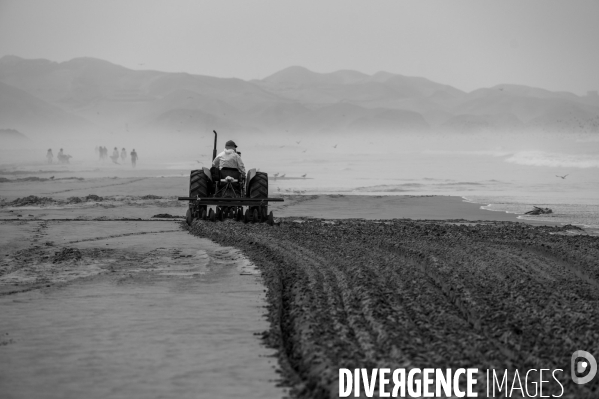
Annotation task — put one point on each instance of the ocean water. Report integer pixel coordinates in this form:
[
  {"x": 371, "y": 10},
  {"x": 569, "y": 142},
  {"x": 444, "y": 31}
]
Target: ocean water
[
  {"x": 502, "y": 173},
  {"x": 565, "y": 211}
]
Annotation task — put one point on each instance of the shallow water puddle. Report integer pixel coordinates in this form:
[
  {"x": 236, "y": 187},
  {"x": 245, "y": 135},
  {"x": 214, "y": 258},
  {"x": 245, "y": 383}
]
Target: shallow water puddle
[{"x": 175, "y": 317}]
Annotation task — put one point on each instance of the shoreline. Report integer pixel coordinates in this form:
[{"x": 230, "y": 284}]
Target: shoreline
[
  {"x": 520, "y": 217},
  {"x": 123, "y": 198},
  {"x": 371, "y": 207}
]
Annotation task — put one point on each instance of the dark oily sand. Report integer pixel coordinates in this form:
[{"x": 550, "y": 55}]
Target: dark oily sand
[{"x": 155, "y": 313}]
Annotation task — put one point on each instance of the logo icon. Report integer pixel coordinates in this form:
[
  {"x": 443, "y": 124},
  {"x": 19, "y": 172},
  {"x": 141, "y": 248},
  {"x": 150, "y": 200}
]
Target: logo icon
[{"x": 582, "y": 363}]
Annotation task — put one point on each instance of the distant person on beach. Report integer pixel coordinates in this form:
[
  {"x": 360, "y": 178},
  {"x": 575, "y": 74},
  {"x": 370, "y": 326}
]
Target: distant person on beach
[
  {"x": 115, "y": 156},
  {"x": 62, "y": 157},
  {"x": 133, "y": 157},
  {"x": 123, "y": 154},
  {"x": 49, "y": 155}
]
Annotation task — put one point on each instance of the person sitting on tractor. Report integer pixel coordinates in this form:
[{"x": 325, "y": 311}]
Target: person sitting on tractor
[{"x": 229, "y": 158}]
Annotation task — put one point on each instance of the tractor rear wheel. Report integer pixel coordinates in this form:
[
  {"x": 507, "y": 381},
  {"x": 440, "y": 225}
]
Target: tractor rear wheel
[
  {"x": 259, "y": 186},
  {"x": 198, "y": 187}
]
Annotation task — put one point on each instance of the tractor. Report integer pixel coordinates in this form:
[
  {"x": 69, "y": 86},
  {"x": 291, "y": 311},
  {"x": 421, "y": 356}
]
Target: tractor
[{"x": 229, "y": 192}]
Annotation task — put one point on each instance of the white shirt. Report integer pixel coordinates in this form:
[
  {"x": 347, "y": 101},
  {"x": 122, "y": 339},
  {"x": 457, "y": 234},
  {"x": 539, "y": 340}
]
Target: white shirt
[{"x": 229, "y": 159}]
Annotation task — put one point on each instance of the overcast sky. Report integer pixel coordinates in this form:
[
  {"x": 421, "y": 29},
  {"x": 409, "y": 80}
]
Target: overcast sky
[{"x": 467, "y": 44}]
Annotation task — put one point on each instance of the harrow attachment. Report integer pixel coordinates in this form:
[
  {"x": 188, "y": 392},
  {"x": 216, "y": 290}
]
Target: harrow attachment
[{"x": 256, "y": 210}]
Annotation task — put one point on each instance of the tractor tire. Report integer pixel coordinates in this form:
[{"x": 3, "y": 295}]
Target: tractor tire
[
  {"x": 259, "y": 187},
  {"x": 198, "y": 187}
]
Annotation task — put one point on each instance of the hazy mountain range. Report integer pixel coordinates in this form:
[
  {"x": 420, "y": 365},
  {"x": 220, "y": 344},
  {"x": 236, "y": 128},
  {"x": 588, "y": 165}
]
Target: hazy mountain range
[{"x": 87, "y": 95}]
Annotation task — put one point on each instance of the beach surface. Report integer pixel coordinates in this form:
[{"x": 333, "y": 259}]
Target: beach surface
[
  {"x": 100, "y": 300},
  {"x": 104, "y": 292}
]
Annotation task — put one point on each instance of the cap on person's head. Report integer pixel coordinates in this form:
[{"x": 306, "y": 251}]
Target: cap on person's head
[{"x": 230, "y": 143}]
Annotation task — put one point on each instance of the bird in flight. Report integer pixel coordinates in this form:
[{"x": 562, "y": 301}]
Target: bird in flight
[
  {"x": 298, "y": 141},
  {"x": 304, "y": 175},
  {"x": 563, "y": 177},
  {"x": 276, "y": 174},
  {"x": 335, "y": 146},
  {"x": 282, "y": 146},
  {"x": 283, "y": 175}
]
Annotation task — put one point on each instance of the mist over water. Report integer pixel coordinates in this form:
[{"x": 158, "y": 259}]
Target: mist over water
[{"x": 511, "y": 172}]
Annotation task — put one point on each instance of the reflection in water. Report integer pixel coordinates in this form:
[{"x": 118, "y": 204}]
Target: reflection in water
[{"x": 143, "y": 335}]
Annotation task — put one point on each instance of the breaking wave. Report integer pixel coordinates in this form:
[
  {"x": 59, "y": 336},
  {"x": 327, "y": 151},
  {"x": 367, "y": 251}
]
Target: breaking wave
[
  {"x": 442, "y": 187},
  {"x": 540, "y": 158}
]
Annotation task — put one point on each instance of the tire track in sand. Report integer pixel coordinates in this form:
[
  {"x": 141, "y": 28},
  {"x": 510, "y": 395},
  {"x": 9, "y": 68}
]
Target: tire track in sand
[
  {"x": 95, "y": 187},
  {"x": 420, "y": 294}
]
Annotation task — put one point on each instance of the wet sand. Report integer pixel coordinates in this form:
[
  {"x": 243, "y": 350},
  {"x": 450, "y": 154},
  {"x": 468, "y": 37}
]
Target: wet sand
[
  {"x": 386, "y": 207},
  {"x": 98, "y": 299},
  {"x": 114, "y": 308},
  {"x": 123, "y": 198}
]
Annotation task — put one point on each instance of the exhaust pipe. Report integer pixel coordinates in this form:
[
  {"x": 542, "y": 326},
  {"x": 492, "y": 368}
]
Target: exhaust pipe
[{"x": 214, "y": 150}]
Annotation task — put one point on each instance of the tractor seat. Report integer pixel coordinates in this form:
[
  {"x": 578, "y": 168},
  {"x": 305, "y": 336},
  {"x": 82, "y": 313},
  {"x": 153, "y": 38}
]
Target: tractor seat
[
  {"x": 230, "y": 172},
  {"x": 229, "y": 179}
]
